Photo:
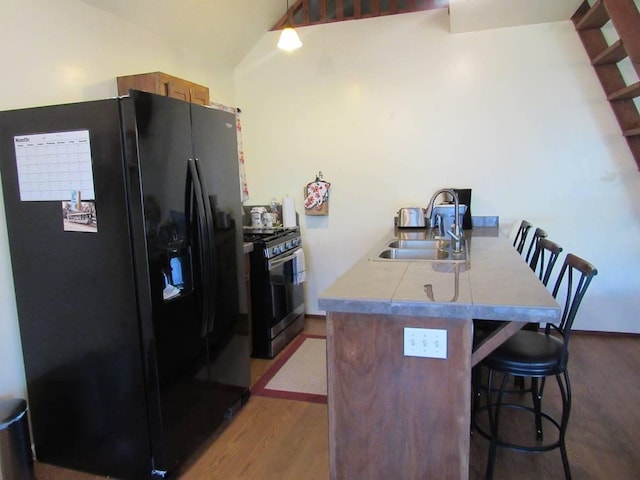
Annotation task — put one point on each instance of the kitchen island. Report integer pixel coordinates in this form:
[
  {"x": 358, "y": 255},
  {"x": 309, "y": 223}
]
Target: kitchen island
[{"x": 394, "y": 416}]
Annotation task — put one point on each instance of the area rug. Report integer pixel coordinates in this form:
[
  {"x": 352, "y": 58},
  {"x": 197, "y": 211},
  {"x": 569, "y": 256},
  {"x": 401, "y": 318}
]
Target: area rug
[{"x": 300, "y": 373}]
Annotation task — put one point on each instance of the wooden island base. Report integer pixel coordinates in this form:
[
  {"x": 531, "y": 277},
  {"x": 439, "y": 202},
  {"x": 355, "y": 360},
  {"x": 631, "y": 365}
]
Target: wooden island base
[{"x": 392, "y": 416}]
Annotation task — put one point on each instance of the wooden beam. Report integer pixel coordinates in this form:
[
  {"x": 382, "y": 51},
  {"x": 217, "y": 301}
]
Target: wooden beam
[
  {"x": 288, "y": 17},
  {"x": 375, "y": 8},
  {"x": 493, "y": 340},
  {"x": 306, "y": 16},
  {"x": 339, "y": 10}
]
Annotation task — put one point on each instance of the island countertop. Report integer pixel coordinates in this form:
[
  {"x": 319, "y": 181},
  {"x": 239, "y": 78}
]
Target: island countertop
[{"x": 493, "y": 283}]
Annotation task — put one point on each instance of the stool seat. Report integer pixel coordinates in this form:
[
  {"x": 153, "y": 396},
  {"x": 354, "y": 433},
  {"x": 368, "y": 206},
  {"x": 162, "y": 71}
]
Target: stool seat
[{"x": 528, "y": 353}]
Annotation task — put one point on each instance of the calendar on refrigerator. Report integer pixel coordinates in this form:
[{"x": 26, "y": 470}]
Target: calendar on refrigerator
[{"x": 52, "y": 165}]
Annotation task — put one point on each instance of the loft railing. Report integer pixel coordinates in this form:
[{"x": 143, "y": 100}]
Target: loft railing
[{"x": 313, "y": 12}]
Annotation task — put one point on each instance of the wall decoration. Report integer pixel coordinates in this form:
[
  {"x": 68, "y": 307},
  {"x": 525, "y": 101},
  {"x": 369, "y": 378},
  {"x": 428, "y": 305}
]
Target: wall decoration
[{"x": 316, "y": 196}]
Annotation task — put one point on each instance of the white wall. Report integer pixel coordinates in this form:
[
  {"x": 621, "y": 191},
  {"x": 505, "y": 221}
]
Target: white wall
[
  {"x": 391, "y": 109},
  {"x": 66, "y": 51}
]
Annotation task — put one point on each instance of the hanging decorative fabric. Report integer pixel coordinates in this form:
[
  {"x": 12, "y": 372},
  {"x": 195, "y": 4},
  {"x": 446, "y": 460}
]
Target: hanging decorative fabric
[
  {"x": 316, "y": 195},
  {"x": 244, "y": 188}
]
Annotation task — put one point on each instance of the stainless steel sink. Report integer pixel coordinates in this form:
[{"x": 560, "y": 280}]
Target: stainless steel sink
[
  {"x": 424, "y": 249},
  {"x": 413, "y": 254},
  {"x": 434, "y": 244}
]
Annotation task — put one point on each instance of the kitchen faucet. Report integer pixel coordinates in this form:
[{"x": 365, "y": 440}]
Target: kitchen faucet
[{"x": 456, "y": 233}]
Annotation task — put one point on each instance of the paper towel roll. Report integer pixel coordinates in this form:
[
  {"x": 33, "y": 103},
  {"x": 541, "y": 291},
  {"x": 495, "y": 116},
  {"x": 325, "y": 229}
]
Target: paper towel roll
[{"x": 288, "y": 212}]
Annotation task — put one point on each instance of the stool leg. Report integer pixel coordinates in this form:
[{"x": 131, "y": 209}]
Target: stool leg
[
  {"x": 536, "y": 396},
  {"x": 565, "y": 391},
  {"x": 493, "y": 422},
  {"x": 476, "y": 385}
]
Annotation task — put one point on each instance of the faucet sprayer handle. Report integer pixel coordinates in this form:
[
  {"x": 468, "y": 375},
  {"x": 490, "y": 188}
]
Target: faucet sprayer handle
[
  {"x": 440, "y": 223},
  {"x": 453, "y": 235}
]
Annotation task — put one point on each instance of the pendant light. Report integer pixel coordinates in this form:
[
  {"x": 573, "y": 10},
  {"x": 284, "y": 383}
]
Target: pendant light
[{"x": 289, "y": 39}]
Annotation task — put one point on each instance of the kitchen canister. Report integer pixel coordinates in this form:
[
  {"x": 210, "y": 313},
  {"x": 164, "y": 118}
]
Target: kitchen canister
[{"x": 257, "y": 216}]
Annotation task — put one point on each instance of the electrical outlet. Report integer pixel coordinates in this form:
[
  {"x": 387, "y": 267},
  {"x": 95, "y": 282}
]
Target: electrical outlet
[{"x": 425, "y": 342}]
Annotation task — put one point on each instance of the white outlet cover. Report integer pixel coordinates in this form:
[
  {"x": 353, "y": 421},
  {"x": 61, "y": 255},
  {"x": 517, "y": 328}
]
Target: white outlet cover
[{"x": 425, "y": 342}]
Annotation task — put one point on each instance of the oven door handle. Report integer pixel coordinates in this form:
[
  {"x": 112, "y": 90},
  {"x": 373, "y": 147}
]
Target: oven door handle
[{"x": 279, "y": 261}]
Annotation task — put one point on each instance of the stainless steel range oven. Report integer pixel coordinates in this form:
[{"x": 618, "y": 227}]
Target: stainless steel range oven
[{"x": 277, "y": 296}]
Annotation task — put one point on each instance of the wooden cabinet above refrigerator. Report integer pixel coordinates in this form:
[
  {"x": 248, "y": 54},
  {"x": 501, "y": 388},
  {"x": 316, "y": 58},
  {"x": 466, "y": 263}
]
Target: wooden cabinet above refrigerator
[{"x": 163, "y": 84}]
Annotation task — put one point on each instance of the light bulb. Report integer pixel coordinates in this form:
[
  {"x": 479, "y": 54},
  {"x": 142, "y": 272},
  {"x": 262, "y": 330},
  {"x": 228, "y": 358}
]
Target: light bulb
[{"x": 289, "y": 40}]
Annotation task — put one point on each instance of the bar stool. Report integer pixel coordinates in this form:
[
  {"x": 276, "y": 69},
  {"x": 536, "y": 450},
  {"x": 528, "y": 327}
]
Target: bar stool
[
  {"x": 531, "y": 251},
  {"x": 544, "y": 259},
  {"x": 532, "y": 259},
  {"x": 542, "y": 263},
  {"x": 521, "y": 236},
  {"x": 537, "y": 355}
]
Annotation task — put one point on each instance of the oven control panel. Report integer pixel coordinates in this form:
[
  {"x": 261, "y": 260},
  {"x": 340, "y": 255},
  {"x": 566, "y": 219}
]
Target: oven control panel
[{"x": 282, "y": 247}]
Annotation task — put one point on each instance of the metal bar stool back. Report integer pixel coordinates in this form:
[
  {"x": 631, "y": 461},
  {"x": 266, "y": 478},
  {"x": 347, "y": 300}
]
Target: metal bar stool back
[
  {"x": 544, "y": 259},
  {"x": 521, "y": 236},
  {"x": 542, "y": 262},
  {"x": 532, "y": 250}
]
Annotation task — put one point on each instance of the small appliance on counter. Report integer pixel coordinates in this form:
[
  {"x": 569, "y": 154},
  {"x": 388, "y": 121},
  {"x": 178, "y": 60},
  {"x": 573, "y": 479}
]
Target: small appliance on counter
[
  {"x": 418, "y": 217},
  {"x": 411, "y": 217}
]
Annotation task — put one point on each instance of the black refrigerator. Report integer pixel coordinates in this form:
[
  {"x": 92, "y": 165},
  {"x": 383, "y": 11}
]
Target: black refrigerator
[{"x": 125, "y": 233}]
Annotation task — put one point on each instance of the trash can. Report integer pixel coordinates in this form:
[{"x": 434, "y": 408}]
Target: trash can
[{"x": 16, "y": 461}]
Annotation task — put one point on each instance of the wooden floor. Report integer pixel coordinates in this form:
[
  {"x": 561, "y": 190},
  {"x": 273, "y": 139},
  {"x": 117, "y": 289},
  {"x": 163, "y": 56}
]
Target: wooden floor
[{"x": 272, "y": 439}]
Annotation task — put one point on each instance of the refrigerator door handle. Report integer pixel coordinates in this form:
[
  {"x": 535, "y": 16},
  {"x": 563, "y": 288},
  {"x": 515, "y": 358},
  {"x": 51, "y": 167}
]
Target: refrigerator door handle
[
  {"x": 194, "y": 192},
  {"x": 211, "y": 257}
]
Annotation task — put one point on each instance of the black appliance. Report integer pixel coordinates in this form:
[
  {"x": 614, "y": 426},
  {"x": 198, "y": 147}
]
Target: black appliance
[
  {"x": 277, "y": 297},
  {"x": 127, "y": 290},
  {"x": 464, "y": 197}
]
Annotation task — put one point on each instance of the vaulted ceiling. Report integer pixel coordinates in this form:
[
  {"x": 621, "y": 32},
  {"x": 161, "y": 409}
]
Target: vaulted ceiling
[{"x": 228, "y": 29}]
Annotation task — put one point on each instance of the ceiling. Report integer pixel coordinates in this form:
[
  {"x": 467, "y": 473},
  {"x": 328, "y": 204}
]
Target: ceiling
[
  {"x": 227, "y": 29},
  {"x": 234, "y": 26}
]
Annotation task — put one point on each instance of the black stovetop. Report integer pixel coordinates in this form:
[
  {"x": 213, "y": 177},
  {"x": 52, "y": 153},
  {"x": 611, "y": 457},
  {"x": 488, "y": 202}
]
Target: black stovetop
[{"x": 264, "y": 234}]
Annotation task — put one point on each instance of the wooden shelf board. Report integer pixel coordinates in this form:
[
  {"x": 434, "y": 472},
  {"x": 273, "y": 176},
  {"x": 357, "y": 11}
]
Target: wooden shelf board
[
  {"x": 632, "y": 132},
  {"x": 627, "y": 93},
  {"x": 613, "y": 54},
  {"x": 595, "y": 17}
]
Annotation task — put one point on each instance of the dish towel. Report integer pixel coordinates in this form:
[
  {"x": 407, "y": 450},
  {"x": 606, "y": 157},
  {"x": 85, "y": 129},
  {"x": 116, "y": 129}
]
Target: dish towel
[{"x": 299, "y": 269}]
